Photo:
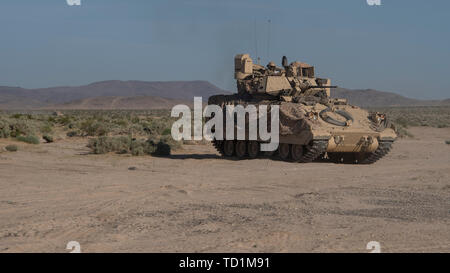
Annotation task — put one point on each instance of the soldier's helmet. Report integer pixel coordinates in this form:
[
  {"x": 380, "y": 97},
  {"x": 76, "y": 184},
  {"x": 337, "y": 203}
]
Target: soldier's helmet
[{"x": 271, "y": 65}]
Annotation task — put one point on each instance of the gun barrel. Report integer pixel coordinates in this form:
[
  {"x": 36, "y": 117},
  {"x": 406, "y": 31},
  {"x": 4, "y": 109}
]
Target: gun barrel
[{"x": 332, "y": 86}]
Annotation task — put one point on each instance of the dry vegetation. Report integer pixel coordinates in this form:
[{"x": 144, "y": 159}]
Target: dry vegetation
[
  {"x": 405, "y": 117},
  {"x": 134, "y": 132},
  {"x": 140, "y": 132}
]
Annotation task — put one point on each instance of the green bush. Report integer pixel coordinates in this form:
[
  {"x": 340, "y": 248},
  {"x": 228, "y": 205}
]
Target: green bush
[
  {"x": 22, "y": 116},
  {"x": 4, "y": 129},
  {"x": 12, "y": 148},
  {"x": 46, "y": 128},
  {"x": 136, "y": 147},
  {"x": 447, "y": 142},
  {"x": 103, "y": 145},
  {"x": 28, "y": 139},
  {"x": 403, "y": 122},
  {"x": 135, "y": 119},
  {"x": 22, "y": 127},
  {"x": 94, "y": 128},
  {"x": 166, "y": 132},
  {"x": 154, "y": 124},
  {"x": 48, "y": 138},
  {"x": 63, "y": 120}
]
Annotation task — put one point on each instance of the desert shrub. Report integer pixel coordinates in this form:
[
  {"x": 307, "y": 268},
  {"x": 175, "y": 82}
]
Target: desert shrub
[
  {"x": 103, "y": 145},
  {"x": 135, "y": 119},
  {"x": 121, "y": 123},
  {"x": 4, "y": 129},
  {"x": 51, "y": 119},
  {"x": 22, "y": 127},
  {"x": 120, "y": 143},
  {"x": 48, "y": 138},
  {"x": 149, "y": 148},
  {"x": 126, "y": 144},
  {"x": 46, "y": 128},
  {"x": 118, "y": 122},
  {"x": 99, "y": 145},
  {"x": 63, "y": 120},
  {"x": 174, "y": 145},
  {"x": 405, "y": 117},
  {"x": 28, "y": 139},
  {"x": 72, "y": 134},
  {"x": 137, "y": 148},
  {"x": 94, "y": 128},
  {"x": 71, "y": 125},
  {"x": 12, "y": 148},
  {"x": 133, "y": 129},
  {"x": 447, "y": 142},
  {"x": 432, "y": 116},
  {"x": 139, "y": 124},
  {"x": 19, "y": 116},
  {"x": 402, "y": 121}
]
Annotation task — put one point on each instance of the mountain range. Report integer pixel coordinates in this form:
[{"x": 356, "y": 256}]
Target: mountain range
[
  {"x": 107, "y": 95},
  {"x": 375, "y": 98},
  {"x": 158, "y": 95}
]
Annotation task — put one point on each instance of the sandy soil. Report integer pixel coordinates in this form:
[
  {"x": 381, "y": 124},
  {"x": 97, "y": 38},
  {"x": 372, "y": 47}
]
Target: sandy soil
[{"x": 51, "y": 194}]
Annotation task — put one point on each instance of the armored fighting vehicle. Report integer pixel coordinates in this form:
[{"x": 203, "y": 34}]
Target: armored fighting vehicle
[{"x": 312, "y": 124}]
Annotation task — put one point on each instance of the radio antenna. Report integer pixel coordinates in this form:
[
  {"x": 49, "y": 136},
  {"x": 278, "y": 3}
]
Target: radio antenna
[
  {"x": 268, "y": 39},
  {"x": 256, "y": 44}
]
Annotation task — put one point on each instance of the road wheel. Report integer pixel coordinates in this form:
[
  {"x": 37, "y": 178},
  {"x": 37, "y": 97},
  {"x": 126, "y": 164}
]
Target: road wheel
[
  {"x": 283, "y": 151},
  {"x": 253, "y": 149},
  {"x": 228, "y": 148},
  {"x": 296, "y": 152},
  {"x": 241, "y": 148}
]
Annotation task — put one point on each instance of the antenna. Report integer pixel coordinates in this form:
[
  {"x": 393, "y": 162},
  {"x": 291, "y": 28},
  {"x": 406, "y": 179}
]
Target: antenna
[
  {"x": 268, "y": 39},
  {"x": 256, "y": 44}
]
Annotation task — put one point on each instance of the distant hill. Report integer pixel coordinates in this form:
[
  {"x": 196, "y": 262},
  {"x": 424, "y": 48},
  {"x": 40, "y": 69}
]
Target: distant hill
[
  {"x": 157, "y": 95},
  {"x": 374, "y": 98},
  {"x": 124, "y": 103},
  {"x": 20, "y": 98}
]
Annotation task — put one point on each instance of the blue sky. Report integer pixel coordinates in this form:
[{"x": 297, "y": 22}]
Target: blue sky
[{"x": 401, "y": 46}]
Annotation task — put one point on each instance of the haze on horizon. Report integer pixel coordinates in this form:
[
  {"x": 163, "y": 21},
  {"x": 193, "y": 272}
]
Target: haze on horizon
[{"x": 401, "y": 46}]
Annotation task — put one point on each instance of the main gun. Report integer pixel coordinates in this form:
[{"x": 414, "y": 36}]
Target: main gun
[{"x": 319, "y": 86}]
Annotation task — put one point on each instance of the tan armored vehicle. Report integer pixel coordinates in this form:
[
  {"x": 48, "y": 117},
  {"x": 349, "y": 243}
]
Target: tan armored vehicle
[{"x": 312, "y": 125}]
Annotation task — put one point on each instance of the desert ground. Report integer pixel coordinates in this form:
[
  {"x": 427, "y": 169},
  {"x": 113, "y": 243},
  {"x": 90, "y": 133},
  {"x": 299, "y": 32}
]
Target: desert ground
[{"x": 196, "y": 201}]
